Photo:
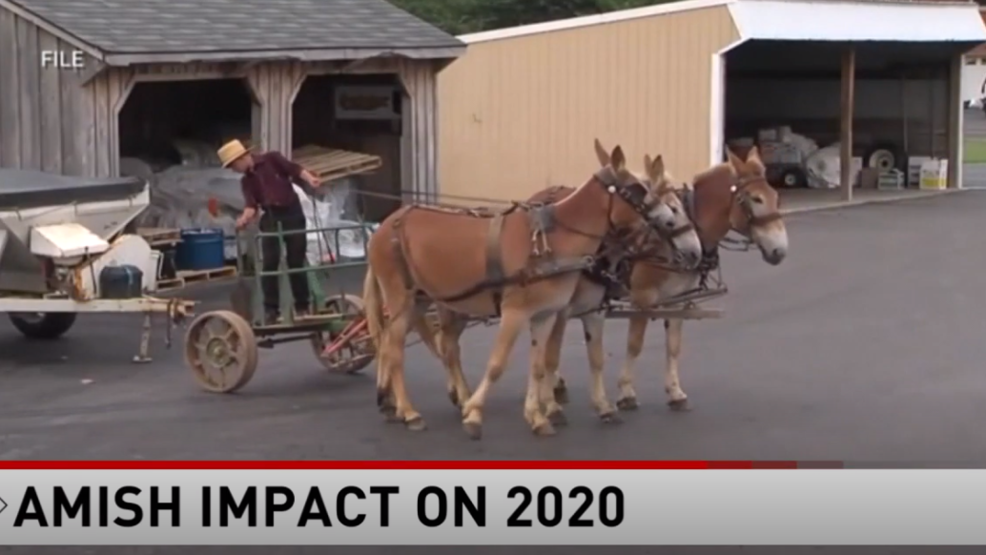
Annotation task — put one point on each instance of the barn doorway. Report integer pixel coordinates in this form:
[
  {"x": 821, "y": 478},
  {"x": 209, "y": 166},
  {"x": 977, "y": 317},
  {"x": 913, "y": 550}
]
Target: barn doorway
[
  {"x": 359, "y": 119},
  {"x": 164, "y": 124}
]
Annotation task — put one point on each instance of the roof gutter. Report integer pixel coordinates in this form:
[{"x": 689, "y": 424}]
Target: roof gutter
[{"x": 299, "y": 55}]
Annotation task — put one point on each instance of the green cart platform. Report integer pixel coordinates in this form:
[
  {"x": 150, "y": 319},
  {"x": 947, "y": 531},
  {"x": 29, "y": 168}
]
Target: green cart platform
[{"x": 221, "y": 346}]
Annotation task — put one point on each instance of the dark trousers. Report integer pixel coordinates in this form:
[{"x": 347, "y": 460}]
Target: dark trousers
[{"x": 290, "y": 218}]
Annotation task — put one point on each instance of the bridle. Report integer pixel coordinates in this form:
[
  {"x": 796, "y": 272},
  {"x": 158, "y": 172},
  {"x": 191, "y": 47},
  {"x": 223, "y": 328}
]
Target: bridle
[{"x": 741, "y": 198}]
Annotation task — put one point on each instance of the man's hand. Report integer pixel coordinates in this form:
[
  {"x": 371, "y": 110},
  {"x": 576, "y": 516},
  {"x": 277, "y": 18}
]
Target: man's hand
[
  {"x": 311, "y": 179},
  {"x": 245, "y": 218}
]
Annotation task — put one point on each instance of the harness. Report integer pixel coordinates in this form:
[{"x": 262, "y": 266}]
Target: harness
[
  {"x": 542, "y": 220},
  {"x": 740, "y": 197}
]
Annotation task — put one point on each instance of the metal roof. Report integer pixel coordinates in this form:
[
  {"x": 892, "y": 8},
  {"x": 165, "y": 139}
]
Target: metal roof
[
  {"x": 808, "y": 20},
  {"x": 183, "y": 30}
]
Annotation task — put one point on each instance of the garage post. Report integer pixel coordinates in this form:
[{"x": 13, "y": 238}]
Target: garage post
[
  {"x": 955, "y": 122},
  {"x": 845, "y": 153}
]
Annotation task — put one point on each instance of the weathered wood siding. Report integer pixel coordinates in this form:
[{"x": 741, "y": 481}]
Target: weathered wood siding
[
  {"x": 51, "y": 120},
  {"x": 45, "y": 116},
  {"x": 276, "y": 85}
]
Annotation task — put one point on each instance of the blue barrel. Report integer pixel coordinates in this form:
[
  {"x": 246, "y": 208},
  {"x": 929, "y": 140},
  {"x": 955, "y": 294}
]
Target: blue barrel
[{"x": 200, "y": 249}]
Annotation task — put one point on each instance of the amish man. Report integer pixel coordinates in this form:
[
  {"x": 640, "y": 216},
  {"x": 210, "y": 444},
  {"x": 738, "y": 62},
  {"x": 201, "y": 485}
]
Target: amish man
[{"x": 267, "y": 186}]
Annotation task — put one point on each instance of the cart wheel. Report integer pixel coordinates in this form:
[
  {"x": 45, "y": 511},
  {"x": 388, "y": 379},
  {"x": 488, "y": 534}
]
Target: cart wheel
[
  {"x": 221, "y": 351},
  {"x": 358, "y": 351},
  {"x": 794, "y": 178},
  {"x": 42, "y": 325}
]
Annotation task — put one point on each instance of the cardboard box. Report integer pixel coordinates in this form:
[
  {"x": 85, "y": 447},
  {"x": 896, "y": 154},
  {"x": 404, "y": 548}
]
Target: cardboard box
[
  {"x": 767, "y": 135},
  {"x": 869, "y": 178},
  {"x": 934, "y": 174},
  {"x": 914, "y": 164}
]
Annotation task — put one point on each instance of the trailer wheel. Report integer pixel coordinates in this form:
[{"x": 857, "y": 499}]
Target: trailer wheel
[{"x": 42, "y": 325}]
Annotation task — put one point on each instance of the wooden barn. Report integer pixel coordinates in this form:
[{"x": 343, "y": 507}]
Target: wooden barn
[{"x": 85, "y": 84}]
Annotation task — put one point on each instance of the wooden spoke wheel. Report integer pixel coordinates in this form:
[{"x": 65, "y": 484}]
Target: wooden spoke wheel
[
  {"x": 352, "y": 346},
  {"x": 221, "y": 351}
]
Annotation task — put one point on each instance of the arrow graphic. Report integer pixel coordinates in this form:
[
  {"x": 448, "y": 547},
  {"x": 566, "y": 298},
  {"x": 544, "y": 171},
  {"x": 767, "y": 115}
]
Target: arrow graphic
[{"x": 3, "y": 505}]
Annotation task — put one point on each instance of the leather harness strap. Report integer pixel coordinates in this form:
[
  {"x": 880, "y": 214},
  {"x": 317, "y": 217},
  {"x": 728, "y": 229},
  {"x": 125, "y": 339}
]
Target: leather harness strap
[{"x": 494, "y": 259}]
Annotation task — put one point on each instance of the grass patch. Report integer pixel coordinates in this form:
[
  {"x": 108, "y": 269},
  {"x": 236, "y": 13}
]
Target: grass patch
[{"x": 975, "y": 151}]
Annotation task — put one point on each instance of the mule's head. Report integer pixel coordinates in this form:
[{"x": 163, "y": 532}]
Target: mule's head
[
  {"x": 633, "y": 205},
  {"x": 755, "y": 211},
  {"x": 681, "y": 235}
]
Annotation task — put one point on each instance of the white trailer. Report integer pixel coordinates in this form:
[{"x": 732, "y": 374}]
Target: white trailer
[{"x": 57, "y": 234}]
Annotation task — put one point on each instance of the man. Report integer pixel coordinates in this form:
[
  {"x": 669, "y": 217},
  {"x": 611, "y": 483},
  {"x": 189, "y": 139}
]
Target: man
[{"x": 267, "y": 186}]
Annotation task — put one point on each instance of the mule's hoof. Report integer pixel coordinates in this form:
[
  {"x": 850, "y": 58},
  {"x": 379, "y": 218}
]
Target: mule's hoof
[
  {"x": 558, "y": 418},
  {"x": 544, "y": 430},
  {"x": 679, "y": 405},
  {"x": 416, "y": 424},
  {"x": 391, "y": 417},
  {"x": 454, "y": 398},
  {"x": 383, "y": 398},
  {"x": 627, "y": 403},
  {"x": 561, "y": 395},
  {"x": 473, "y": 430},
  {"x": 611, "y": 417}
]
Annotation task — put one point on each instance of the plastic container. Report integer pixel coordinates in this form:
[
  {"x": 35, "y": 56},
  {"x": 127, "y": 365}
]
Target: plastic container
[
  {"x": 200, "y": 249},
  {"x": 120, "y": 282}
]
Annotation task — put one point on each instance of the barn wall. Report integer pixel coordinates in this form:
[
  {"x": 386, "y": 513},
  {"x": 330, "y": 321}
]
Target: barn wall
[
  {"x": 46, "y": 113},
  {"x": 520, "y": 114}
]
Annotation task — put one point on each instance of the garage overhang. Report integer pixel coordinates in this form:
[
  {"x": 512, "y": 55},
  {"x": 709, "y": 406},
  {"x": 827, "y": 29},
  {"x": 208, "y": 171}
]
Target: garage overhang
[{"x": 878, "y": 21}]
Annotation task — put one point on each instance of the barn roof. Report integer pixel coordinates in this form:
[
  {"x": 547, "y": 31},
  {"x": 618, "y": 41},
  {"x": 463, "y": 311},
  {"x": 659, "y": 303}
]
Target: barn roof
[{"x": 129, "y": 31}]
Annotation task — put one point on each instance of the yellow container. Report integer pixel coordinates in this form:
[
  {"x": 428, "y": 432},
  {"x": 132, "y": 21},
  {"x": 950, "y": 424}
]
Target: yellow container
[{"x": 934, "y": 175}]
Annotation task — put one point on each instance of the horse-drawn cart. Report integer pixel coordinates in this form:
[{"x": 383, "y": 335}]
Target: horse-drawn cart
[
  {"x": 65, "y": 250},
  {"x": 222, "y": 346}
]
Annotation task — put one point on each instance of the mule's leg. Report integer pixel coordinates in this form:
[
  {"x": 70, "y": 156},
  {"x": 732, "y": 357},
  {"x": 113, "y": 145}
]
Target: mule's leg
[
  {"x": 551, "y": 354},
  {"x": 396, "y": 338},
  {"x": 511, "y": 324},
  {"x": 635, "y": 344},
  {"x": 555, "y": 382},
  {"x": 677, "y": 399},
  {"x": 450, "y": 336},
  {"x": 539, "y": 381},
  {"x": 593, "y": 326}
]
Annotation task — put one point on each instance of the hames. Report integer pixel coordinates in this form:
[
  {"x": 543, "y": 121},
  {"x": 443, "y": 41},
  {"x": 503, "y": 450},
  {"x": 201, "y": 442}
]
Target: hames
[{"x": 101, "y": 506}]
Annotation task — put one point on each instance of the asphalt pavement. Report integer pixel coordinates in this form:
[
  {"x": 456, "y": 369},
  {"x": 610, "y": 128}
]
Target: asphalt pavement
[{"x": 865, "y": 345}]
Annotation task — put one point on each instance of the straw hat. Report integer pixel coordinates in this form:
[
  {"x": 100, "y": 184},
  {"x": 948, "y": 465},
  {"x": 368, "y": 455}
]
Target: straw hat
[{"x": 231, "y": 152}]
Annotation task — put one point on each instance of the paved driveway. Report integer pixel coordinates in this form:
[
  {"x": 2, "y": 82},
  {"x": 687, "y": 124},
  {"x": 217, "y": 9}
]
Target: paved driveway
[{"x": 866, "y": 345}]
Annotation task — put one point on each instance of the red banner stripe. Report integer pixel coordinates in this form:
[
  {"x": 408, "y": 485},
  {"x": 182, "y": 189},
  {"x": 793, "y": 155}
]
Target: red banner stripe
[{"x": 399, "y": 465}]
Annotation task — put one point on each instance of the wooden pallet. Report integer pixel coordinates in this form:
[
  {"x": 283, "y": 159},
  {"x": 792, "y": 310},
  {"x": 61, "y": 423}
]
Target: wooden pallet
[
  {"x": 160, "y": 236},
  {"x": 184, "y": 278},
  {"x": 330, "y": 164}
]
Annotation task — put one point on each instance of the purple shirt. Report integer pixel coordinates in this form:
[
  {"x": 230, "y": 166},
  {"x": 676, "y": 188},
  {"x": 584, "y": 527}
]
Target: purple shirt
[{"x": 269, "y": 182}]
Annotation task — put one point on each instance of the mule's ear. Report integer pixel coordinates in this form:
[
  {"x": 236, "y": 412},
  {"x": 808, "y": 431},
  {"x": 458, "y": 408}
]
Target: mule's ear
[
  {"x": 604, "y": 158},
  {"x": 734, "y": 160},
  {"x": 753, "y": 154},
  {"x": 656, "y": 169},
  {"x": 617, "y": 160}
]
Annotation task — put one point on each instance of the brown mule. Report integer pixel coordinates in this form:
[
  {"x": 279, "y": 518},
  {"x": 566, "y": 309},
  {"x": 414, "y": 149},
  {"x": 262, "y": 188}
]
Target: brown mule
[
  {"x": 733, "y": 196},
  {"x": 679, "y": 245},
  {"x": 525, "y": 272}
]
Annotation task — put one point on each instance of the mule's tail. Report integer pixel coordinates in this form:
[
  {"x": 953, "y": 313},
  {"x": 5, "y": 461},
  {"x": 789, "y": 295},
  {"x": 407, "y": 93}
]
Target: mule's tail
[{"x": 373, "y": 306}]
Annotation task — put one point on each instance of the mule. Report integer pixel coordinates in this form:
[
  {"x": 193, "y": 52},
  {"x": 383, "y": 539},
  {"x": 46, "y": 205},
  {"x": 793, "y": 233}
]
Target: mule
[
  {"x": 525, "y": 274},
  {"x": 732, "y": 196},
  {"x": 679, "y": 246}
]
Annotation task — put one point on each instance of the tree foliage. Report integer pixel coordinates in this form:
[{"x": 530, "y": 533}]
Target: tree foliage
[{"x": 470, "y": 16}]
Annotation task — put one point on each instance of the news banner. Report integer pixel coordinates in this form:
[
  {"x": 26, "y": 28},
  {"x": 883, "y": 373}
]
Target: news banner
[{"x": 487, "y": 503}]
